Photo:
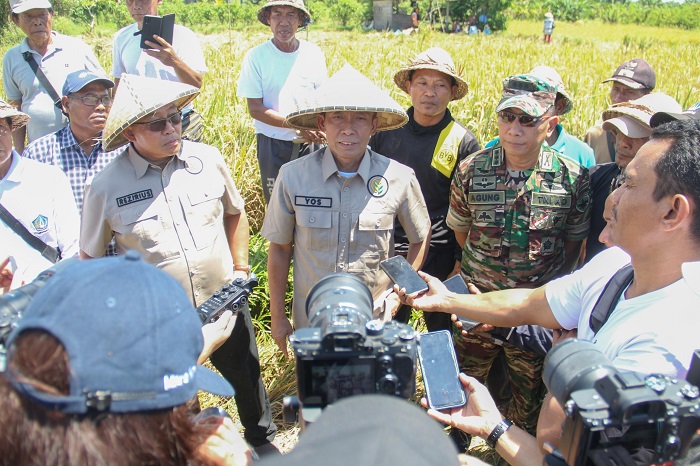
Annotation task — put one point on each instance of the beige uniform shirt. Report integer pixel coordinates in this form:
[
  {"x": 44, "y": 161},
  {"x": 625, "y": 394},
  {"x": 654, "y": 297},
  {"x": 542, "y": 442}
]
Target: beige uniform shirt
[
  {"x": 342, "y": 224},
  {"x": 174, "y": 217}
]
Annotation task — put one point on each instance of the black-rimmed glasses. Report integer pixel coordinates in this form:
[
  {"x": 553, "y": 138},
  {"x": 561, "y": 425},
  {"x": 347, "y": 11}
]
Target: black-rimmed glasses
[{"x": 93, "y": 101}]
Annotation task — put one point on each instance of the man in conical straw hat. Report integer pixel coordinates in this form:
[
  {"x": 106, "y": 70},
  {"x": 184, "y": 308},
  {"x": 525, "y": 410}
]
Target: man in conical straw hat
[
  {"x": 335, "y": 208},
  {"x": 39, "y": 198},
  {"x": 175, "y": 202},
  {"x": 275, "y": 78},
  {"x": 431, "y": 143}
]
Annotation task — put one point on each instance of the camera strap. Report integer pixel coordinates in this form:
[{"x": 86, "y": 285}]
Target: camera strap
[
  {"x": 48, "y": 252},
  {"x": 31, "y": 61},
  {"x": 610, "y": 296}
]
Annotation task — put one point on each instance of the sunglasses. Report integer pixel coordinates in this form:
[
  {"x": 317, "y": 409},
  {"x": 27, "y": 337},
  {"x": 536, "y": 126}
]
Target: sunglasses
[
  {"x": 524, "y": 120},
  {"x": 157, "y": 126}
]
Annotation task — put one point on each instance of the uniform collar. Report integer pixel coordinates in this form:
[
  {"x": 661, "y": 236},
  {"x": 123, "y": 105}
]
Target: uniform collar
[
  {"x": 140, "y": 164},
  {"x": 14, "y": 174},
  {"x": 328, "y": 166}
]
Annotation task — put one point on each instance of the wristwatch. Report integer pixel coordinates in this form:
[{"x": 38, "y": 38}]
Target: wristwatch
[{"x": 496, "y": 433}]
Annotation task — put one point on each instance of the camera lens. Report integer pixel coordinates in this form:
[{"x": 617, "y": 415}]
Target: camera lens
[
  {"x": 341, "y": 295},
  {"x": 574, "y": 365}
]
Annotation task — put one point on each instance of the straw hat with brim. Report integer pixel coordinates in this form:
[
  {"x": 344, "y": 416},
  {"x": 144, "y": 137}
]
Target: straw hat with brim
[
  {"x": 18, "y": 118},
  {"x": 348, "y": 90},
  {"x": 693, "y": 113},
  {"x": 550, "y": 75},
  {"x": 549, "y": 15},
  {"x": 138, "y": 96},
  {"x": 437, "y": 59},
  {"x": 637, "y": 114},
  {"x": 298, "y": 4}
]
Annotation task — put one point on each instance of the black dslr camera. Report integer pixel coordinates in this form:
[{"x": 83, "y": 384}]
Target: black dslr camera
[
  {"x": 612, "y": 415},
  {"x": 344, "y": 352},
  {"x": 231, "y": 297}
]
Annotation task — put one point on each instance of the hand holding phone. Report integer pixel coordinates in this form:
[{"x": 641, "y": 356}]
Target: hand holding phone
[
  {"x": 456, "y": 284},
  {"x": 438, "y": 363},
  {"x": 400, "y": 272}
]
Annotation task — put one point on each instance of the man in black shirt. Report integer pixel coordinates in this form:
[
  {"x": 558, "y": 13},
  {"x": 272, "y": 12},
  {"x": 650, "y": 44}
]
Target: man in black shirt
[{"x": 432, "y": 144}]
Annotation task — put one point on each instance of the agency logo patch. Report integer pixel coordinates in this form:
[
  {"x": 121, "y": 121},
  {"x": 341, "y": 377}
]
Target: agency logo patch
[
  {"x": 378, "y": 186},
  {"x": 40, "y": 224}
]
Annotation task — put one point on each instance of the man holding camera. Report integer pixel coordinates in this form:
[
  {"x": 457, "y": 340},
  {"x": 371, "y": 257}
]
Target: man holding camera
[
  {"x": 335, "y": 208},
  {"x": 176, "y": 203},
  {"x": 654, "y": 219}
]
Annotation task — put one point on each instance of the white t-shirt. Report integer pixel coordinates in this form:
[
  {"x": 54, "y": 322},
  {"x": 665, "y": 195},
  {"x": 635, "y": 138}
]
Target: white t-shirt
[
  {"x": 285, "y": 81},
  {"x": 652, "y": 333},
  {"x": 129, "y": 58},
  {"x": 40, "y": 197}
]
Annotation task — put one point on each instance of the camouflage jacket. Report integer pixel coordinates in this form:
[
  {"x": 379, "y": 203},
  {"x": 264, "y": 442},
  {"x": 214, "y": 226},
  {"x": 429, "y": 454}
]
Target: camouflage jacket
[{"x": 516, "y": 238}]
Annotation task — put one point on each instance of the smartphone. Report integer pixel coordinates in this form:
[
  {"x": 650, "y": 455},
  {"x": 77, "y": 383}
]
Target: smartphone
[
  {"x": 161, "y": 26},
  {"x": 401, "y": 273},
  {"x": 438, "y": 363},
  {"x": 457, "y": 285}
]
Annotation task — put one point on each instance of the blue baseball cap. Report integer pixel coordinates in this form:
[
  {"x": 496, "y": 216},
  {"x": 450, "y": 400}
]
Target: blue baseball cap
[
  {"x": 79, "y": 79},
  {"x": 131, "y": 335}
]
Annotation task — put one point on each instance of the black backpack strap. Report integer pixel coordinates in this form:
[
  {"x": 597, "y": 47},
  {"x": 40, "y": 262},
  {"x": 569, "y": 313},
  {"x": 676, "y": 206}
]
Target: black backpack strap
[
  {"x": 610, "y": 296},
  {"x": 46, "y": 251},
  {"x": 31, "y": 61}
]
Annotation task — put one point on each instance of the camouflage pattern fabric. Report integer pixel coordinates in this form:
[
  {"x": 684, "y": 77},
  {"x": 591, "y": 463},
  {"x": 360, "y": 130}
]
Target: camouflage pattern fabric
[
  {"x": 477, "y": 352},
  {"x": 528, "y": 93},
  {"x": 515, "y": 239}
]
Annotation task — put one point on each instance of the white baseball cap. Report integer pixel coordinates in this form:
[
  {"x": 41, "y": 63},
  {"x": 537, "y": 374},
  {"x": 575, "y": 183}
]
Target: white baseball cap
[{"x": 20, "y": 6}]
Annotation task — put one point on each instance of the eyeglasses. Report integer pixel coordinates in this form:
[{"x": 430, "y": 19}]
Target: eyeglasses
[
  {"x": 92, "y": 101},
  {"x": 159, "y": 125},
  {"x": 525, "y": 120}
]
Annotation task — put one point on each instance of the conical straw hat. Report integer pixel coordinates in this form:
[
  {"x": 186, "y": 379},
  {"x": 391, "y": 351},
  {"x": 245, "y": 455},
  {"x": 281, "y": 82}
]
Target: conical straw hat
[
  {"x": 138, "y": 96},
  {"x": 437, "y": 59},
  {"x": 348, "y": 90}
]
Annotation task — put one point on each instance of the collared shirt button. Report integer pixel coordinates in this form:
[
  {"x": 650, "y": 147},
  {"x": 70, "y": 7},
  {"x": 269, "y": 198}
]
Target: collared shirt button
[
  {"x": 341, "y": 266},
  {"x": 342, "y": 240},
  {"x": 345, "y": 215},
  {"x": 346, "y": 189},
  {"x": 312, "y": 220}
]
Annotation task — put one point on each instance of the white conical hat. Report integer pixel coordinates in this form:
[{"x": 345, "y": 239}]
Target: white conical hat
[
  {"x": 138, "y": 96},
  {"x": 348, "y": 90}
]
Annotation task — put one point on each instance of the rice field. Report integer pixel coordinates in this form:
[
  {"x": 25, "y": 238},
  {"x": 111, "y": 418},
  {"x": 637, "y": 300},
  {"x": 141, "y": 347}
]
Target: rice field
[{"x": 583, "y": 53}]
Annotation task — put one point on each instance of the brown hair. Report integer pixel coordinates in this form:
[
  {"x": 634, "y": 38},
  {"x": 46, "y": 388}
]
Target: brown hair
[{"x": 33, "y": 434}]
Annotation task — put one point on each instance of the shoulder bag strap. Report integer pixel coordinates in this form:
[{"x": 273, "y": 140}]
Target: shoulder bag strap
[
  {"x": 610, "y": 296},
  {"x": 31, "y": 61},
  {"x": 46, "y": 251}
]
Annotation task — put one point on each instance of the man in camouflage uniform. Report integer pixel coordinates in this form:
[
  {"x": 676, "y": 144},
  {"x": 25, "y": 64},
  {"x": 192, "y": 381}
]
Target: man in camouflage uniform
[{"x": 520, "y": 210}]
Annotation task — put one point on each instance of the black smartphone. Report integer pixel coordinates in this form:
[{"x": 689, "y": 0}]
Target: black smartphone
[
  {"x": 457, "y": 285},
  {"x": 161, "y": 26},
  {"x": 401, "y": 273},
  {"x": 438, "y": 363}
]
